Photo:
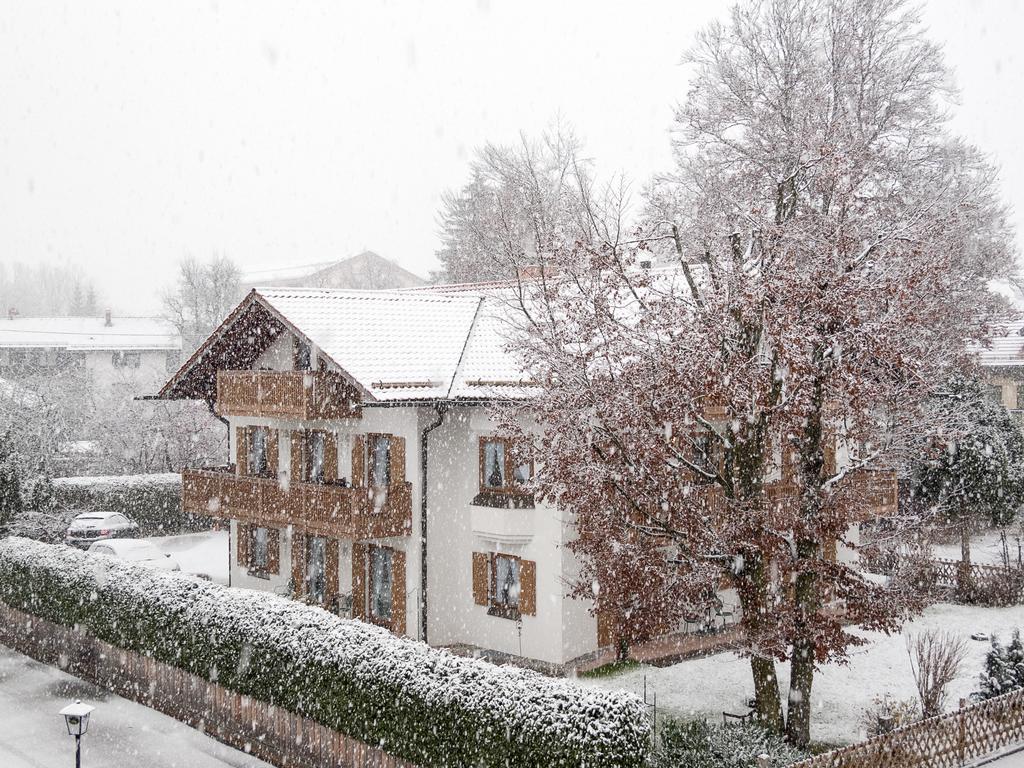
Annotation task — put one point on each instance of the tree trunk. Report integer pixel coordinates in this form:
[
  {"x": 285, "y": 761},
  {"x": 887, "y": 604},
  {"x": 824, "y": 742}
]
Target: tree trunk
[
  {"x": 754, "y": 603},
  {"x": 767, "y": 703},
  {"x": 801, "y": 664},
  {"x": 964, "y": 579}
]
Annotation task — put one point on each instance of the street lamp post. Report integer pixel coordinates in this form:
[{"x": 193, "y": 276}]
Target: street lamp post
[{"x": 76, "y": 717}]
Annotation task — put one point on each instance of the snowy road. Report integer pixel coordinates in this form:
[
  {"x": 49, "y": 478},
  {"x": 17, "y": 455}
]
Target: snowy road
[{"x": 121, "y": 733}]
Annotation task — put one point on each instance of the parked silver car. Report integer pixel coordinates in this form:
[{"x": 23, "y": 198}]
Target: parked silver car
[
  {"x": 135, "y": 551},
  {"x": 97, "y": 526}
]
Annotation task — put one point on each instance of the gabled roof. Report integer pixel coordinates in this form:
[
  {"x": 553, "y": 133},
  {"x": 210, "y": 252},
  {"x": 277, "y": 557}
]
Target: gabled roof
[
  {"x": 392, "y": 345},
  {"x": 89, "y": 333}
]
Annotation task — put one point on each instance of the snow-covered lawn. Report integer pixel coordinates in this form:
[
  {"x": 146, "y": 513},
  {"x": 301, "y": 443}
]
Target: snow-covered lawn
[
  {"x": 706, "y": 687},
  {"x": 121, "y": 732},
  {"x": 203, "y": 553}
]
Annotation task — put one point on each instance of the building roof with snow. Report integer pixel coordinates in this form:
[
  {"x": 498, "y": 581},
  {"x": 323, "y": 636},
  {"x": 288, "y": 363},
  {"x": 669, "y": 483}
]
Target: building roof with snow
[
  {"x": 84, "y": 334},
  {"x": 364, "y": 271},
  {"x": 391, "y": 345},
  {"x": 1005, "y": 346}
]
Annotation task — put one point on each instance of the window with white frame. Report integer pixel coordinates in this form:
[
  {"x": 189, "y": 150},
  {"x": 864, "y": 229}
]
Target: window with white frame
[
  {"x": 379, "y": 461},
  {"x": 505, "y": 583},
  {"x": 259, "y": 438},
  {"x": 381, "y": 587},
  {"x": 258, "y": 551}
]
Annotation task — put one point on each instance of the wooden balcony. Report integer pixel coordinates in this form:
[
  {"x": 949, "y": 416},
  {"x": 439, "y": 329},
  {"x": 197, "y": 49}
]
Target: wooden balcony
[
  {"x": 319, "y": 510},
  {"x": 304, "y": 395}
]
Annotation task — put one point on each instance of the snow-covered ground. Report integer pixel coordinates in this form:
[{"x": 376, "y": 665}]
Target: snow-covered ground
[
  {"x": 203, "y": 553},
  {"x": 121, "y": 732},
  {"x": 986, "y": 547},
  {"x": 709, "y": 686}
]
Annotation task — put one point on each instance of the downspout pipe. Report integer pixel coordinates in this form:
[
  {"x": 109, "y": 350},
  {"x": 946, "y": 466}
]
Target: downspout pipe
[{"x": 440, "y": 409}]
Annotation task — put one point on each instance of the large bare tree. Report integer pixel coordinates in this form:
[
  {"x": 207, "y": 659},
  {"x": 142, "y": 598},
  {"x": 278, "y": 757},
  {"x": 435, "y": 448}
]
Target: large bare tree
[
  {"x": 205, "y": 292},
  {"x": 830, "y": 245},
  {"x": 522, "y": 202}
]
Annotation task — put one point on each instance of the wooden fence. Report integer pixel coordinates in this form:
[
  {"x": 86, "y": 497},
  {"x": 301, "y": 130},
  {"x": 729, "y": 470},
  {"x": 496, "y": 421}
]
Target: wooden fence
[
  {"x": 270, "y": 733},
  {"x": 991, "y": 584},
  {"x": 947, "y": 741}
]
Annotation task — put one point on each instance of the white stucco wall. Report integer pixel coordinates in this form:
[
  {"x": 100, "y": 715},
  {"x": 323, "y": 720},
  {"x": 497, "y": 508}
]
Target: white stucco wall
[{"x": 561, "y": 629}]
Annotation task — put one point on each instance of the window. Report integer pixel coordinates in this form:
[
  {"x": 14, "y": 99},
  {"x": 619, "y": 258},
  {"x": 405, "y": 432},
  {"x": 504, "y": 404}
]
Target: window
[
  {"x": 316, "y": 568},
  {"x": 379, "y": 461},
  {"x": 258, "y": 551},
  {"x": 126, "y": 359},
  {"x": 316, "y": 453},
  {"x": 303, "y": 356},
  {"x": 259, "y": 437},
  {"x": 496, "y": 472},
  {"x": 494, "y": 464},
  {"x": 505, "y": 585},
  {"x": 381, "y": 584}
]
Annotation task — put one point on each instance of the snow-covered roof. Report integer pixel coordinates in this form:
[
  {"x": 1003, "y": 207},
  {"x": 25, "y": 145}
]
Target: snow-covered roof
[
  {"x": 402, "y": 345},
  {"x": 89, "y": 333},
  {"x": 393, "y": 345},
  {"x": 1006, "y": 346}
]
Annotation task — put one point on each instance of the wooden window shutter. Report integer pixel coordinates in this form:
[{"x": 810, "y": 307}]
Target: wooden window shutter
[
  {"x": 359, "y": 581},
  {"x": 397, "y": 456},
  {"x": 331, "y": 573},
  {"x": 528, "y": 587},
  {"x": 330, "y": 456},
  {"x": 298, "y": 460},
  {"x": 298, "y": 563},
  {"x": 831, "y": 548},
  {"x": 359, "y": 461},
  {"x": 481, "y": 576},
  {"x": 398, "y": 592},
  {"x": 243, "y": 544},
  {"x": 272, "y": 452},
  {"x": 829, "y": 449},
  {"x": 242, "y": 450},
  {"x": 273, "y": 551}
]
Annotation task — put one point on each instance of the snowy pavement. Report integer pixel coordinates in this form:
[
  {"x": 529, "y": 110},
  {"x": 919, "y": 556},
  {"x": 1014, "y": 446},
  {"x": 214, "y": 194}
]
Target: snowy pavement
[
  {"x": 121, "y": 733},
  {"x": 708, "y": 686},
  {"x": 203, "y": 553}
]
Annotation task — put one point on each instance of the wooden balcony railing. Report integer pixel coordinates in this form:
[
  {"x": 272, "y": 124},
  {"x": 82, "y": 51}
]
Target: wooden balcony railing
[
  {"x": 287, "y": 394},
  {"x": 319, "y": 510}
]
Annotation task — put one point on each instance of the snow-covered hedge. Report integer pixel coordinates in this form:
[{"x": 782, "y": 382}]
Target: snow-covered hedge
[
  {"x": 423, "y": 704},
  {"x": 153, "y": 501}
]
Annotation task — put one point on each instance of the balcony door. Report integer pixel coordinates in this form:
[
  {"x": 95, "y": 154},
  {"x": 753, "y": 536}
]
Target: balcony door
[{"x": 316, "y": 569}]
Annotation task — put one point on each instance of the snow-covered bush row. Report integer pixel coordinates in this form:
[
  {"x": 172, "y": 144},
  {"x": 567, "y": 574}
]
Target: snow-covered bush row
[
  {"x": 423, "y": 704},
  {"x": 153, "y": 501},
  {"x": 95, "y": 482},
  {"x": 698, "y": 744}
]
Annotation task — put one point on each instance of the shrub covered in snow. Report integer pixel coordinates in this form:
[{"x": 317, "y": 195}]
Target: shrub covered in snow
[
  {"x": 423, "y": 704},
  {"x": 153, "y": 501},
  {"x": 1004, "y": 668},
  {"x": 698, "y": 744}
]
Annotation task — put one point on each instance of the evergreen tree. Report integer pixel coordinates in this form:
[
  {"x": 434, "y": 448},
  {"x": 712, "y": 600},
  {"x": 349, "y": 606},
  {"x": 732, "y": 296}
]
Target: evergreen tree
[
  {"x": 1015, "y": 660},
  {"x": 1003, "y": 667},
  {"x": 10, "y": 485},
  {"x": 975, "y": 474}
]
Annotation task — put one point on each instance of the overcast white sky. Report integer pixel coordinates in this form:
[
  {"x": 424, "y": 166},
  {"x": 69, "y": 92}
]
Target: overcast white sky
[{"x": 287, "y": 133}]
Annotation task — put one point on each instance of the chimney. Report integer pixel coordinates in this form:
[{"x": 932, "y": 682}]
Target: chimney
[
  {"x": 106, "y": 320},
  {"x": 12, "y": 313}
]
